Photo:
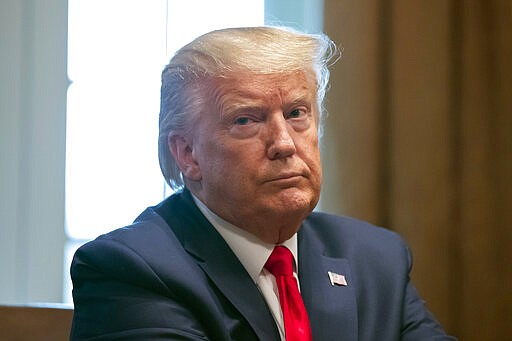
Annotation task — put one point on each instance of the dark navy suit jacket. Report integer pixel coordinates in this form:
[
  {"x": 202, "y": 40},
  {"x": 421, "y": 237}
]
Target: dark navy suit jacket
[{"x": 171, "y": 276}]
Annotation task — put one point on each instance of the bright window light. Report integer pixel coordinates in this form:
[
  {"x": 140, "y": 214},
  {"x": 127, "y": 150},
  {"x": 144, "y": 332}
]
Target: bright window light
[{"x": 116, "y": 52}]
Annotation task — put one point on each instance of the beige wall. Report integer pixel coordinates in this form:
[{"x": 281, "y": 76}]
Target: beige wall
[
  {"x": 33, "y": 84},
  {"x": 419, "y": 137}
]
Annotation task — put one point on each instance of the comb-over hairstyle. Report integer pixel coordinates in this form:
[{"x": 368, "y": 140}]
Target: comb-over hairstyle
[{"x": 228, "y": 52}]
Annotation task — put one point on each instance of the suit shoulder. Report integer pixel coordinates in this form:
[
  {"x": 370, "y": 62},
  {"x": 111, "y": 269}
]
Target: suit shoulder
[
  {"x": 148, "y": 229},
  {"x": 353, "y": 236},
  {"x": 348, "y": 225},
  {"x": 138, "y": 252}
]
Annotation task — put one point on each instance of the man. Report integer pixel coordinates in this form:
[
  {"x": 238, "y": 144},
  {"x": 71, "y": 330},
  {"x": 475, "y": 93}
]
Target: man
[{"x": 239, "y": 121}]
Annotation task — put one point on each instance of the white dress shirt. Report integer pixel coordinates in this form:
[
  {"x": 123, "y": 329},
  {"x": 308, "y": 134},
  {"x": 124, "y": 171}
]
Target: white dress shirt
[{"x": 253, "y": 254}]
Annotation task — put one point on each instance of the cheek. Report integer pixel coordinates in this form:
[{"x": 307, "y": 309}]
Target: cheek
[
  {"x": 311, "y": 156},
  {"x": 311, "y": 150},
  {"x": 230, "y": 165},
  {"x": 317, "y": 172},
  {"x": 242, "y": 164}
]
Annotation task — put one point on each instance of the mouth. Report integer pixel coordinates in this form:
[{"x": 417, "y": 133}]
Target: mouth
[{"x": 289, "y": 178}]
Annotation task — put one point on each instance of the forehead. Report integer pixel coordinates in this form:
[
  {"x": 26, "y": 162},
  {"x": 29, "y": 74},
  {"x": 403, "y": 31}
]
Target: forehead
[{"x": 264, "y": 89}]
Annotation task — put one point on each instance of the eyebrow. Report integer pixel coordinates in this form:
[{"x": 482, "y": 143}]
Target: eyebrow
[
  {"x": 251, "y": 102},
  {"x": 305, "y": 100}
]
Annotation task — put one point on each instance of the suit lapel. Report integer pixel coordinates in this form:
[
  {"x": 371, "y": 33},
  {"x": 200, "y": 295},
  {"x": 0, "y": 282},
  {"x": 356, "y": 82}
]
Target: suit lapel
[
  {"x": 217, "y": 260},
  {"x": 332, "y": 309}
]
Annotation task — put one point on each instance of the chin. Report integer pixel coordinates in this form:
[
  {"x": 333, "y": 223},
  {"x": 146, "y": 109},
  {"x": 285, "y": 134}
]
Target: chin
[{"x": 300, "y": 202}]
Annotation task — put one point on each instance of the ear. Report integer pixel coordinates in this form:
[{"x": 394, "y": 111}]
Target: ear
[{"x": 182, "y": 148}]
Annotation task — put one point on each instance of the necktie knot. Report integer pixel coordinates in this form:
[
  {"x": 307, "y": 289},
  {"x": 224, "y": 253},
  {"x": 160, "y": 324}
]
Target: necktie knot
[{"x": 280, "y": 262}]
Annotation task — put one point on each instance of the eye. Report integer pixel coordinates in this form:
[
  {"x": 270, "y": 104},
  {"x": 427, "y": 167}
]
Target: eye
[
  {"x": 241, "y": 121},
  {"x": 296, "y": 113},
  {"x": 299, "y": 118}
]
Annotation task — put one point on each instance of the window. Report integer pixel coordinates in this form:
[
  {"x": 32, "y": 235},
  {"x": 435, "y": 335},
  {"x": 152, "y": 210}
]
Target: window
[{"x": 116, "y": 51}]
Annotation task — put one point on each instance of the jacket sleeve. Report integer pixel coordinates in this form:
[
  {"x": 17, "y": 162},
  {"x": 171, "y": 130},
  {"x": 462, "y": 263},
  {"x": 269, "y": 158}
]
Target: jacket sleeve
[
  {"x": 418, "y": 323},
  {"x": 118, "y": 296}
]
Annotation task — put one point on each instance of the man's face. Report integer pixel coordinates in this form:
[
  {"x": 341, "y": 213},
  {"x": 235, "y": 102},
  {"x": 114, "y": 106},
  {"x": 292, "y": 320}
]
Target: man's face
[{"x": 257, "y": 153}]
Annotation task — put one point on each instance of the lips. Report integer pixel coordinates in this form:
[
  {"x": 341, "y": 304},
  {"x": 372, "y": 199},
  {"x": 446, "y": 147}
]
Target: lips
[{"x": 287, "y": 177}]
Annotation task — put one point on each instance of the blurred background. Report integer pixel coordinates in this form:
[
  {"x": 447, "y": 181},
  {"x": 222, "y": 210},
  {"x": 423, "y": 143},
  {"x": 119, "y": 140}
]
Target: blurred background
[
  {"x": 420, "y": 141},
  {"x": 417, "y": 139}
]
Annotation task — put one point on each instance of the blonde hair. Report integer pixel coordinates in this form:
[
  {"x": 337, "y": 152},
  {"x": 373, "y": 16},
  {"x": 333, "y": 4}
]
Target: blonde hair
[{"x": 221, "y": 53}]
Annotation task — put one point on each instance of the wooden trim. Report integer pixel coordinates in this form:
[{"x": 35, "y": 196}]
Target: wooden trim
[{"x": 52, "y": 323}]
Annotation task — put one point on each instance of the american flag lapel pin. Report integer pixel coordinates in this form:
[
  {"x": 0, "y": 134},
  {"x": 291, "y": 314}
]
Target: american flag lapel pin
[{"x": 337, "y": 279}]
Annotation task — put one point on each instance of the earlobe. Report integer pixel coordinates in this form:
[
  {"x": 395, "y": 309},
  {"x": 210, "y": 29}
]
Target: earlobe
[{"x": 182, "y": 150}]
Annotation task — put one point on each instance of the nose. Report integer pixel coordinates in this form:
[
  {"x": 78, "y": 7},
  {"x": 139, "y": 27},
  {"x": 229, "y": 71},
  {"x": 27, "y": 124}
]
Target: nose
[{"x": 280, "y": 143}]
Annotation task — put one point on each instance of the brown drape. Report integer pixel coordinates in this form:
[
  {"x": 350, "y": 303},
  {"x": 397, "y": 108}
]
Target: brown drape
[{"x": 418, "y": 139}]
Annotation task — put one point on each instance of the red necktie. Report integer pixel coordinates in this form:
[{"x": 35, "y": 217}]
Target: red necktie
[{"x": 296, "y": 322}]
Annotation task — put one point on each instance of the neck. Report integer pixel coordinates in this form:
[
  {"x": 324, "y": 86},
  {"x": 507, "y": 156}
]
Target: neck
[{"x": 269, "y": 228}]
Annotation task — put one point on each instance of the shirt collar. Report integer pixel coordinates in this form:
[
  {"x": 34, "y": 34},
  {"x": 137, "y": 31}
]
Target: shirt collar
[{"x": 250, "y": 250}]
